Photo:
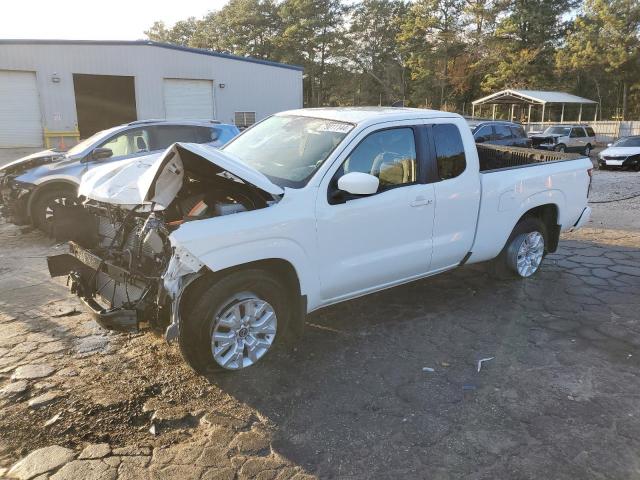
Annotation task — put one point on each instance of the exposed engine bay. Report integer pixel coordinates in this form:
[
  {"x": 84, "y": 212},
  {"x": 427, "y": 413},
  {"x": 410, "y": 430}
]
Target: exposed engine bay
[{"x": 120, "y": 253}]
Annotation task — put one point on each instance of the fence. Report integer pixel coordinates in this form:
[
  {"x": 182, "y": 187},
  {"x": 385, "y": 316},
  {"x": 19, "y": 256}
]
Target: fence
[{"x": 606, "y": 131}]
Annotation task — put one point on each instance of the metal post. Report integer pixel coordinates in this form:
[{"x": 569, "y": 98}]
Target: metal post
[
  {"x": 562, "y": 114},
  {"x": 473, "y": 110},
  {"x": 580, "y": 114},
  {"x": 493, "y": 112},
  {"x": 595, "y": 117},
  {"x": 529, "y": 115},
  {"x": 511, "y": 114},
  {"x": 543, "y": 107}
]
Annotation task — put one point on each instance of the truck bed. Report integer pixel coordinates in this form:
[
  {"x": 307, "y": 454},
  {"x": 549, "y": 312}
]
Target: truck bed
[{"x": 497, "y": 157}]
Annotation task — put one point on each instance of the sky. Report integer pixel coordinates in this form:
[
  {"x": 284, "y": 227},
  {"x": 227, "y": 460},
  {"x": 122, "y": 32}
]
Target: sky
[{"x": 93, "y": 20}]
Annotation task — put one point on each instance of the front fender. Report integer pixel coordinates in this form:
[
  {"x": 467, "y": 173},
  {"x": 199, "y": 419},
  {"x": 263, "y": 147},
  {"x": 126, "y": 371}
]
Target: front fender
[{"x": 266, "y": 249}]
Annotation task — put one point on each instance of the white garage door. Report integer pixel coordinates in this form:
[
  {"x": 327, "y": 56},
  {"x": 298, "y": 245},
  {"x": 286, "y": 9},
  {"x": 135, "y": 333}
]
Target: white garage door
[
  {"x": 20, "y": 118},
  {"x": 188, "y": 99}
]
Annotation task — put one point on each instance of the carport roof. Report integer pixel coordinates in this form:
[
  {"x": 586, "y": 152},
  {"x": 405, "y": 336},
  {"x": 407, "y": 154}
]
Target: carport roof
[
  {"x": 200, "y": 51},
  {"x": 531, "y": 96}
]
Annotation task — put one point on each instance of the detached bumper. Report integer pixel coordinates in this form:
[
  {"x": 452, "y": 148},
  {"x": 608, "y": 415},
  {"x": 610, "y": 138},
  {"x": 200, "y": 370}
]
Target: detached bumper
[{"x": 114, "y": 296}]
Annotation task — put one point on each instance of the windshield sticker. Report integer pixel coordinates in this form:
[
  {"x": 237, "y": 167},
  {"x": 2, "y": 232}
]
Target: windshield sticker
[{"x": 336, "y": 127}]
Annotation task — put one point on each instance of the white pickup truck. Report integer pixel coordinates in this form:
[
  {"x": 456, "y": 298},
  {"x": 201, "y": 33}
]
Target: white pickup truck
[{"x": 227, "y": 250}]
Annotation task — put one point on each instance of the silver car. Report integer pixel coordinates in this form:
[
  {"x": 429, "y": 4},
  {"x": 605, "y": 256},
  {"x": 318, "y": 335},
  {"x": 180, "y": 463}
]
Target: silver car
[
  {"x": 32, "y": 187},
  {"x": 566, "y": 138}
]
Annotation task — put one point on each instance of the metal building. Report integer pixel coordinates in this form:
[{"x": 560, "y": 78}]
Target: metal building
[{"x": 55, "y": 91}]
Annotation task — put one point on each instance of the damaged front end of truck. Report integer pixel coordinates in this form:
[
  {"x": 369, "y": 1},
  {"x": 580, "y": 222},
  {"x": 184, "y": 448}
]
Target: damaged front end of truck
[{"x": 123, "y": 262}]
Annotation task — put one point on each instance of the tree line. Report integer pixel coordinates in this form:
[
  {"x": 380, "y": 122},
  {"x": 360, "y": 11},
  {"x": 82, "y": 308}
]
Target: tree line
[{"x": 433, "y": 53}]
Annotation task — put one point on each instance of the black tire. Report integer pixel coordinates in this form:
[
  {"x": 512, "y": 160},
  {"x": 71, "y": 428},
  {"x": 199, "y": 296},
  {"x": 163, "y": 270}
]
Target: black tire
[
  {"x": 587, "y": 150},
  {"x": 197, "y": 326},
  {"x": 42, "y": 208},
  {"x": 562, "y": 148},
  {"x": 502, "y": 267}
]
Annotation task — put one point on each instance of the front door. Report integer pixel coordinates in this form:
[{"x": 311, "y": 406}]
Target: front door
[{"x": 373, "y": 241}]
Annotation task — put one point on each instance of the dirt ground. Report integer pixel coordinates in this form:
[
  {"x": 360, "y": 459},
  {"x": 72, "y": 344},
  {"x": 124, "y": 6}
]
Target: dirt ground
[{"x": 558, "y": 400}]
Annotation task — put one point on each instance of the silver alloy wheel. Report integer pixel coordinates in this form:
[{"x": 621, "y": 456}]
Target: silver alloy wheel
[
  {"x": 587, "y": 150},
  {"x": 530, "y": 253},
  {"x": 244, "y": 331}
]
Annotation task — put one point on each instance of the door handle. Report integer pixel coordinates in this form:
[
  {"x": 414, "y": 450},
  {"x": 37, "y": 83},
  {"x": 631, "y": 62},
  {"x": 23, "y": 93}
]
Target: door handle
[{"x": 420, "y": 200}]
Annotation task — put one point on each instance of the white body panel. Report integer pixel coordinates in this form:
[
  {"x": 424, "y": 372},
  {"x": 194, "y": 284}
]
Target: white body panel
[
  {"x": 509, "y": 194},
  {"x": 344, "y": 250}
]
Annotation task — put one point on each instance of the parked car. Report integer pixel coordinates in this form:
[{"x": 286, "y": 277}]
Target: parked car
[
  {"x": 623, "y": 153},
  {"x": 31, "y": 188},
  {"x": 566, "y": 138},
  {"x": 227, "y": 250},
  {"x": 496, "y": 132}
]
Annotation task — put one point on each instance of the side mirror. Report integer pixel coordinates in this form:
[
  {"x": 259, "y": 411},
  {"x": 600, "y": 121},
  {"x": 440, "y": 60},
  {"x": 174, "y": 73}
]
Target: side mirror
[
  {"x": 358, "y": 183},
  {"x": 100, "y": 153}
]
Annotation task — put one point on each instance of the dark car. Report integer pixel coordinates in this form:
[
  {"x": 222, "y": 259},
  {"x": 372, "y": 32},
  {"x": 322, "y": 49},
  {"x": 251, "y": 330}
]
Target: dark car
[{"x": 496, "y": 132}]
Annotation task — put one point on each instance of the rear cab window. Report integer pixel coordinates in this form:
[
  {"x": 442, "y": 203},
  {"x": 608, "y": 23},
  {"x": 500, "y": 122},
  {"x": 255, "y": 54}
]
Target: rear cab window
[{"x": 450, "y": 156}]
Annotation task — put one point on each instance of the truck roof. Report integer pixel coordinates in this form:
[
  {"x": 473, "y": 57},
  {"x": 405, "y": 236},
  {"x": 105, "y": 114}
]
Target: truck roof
[{"x": 360, "y": 115}]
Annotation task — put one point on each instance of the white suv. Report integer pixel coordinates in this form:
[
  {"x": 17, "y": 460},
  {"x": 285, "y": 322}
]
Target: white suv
[{"x": 566, "y": 138}]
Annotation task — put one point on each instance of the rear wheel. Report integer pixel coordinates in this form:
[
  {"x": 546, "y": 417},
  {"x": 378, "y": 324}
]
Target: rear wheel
[
  {"x": 235, "y": 322},
  {"x": 47, "y": 203},
  {"x": 522, "y": 255}
]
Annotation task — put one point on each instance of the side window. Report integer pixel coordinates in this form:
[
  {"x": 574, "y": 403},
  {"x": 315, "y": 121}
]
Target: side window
[
  {"x": 577, "y": 132},
  {"x": 166, "y": 135},
  {"x": 449, "y": 151},
  {"x": 484, "y": 132},
  {"x": 590, "y": 132},
  {"x": 128, "y": 143},
  {"x": 389, "y": 155},
  {"x": 502, "y": 132},
  {"x": 518, "y": 132}
]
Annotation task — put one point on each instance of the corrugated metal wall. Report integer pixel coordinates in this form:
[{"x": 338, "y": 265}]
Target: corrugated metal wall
[{"x": 248, "y": 86}]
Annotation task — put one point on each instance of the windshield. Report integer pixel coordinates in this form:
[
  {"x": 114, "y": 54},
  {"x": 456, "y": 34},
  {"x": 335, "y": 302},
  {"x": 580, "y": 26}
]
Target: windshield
[
  {"x": 557, "y": 131},
  {"x": 84, "y": 144},
  {"x": 288, "y": 149},
  {"x": 627, "y": 142}
]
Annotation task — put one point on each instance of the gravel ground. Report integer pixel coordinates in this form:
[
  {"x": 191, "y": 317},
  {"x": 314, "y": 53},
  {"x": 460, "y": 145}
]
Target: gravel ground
[{"x": 558, "y": 400}]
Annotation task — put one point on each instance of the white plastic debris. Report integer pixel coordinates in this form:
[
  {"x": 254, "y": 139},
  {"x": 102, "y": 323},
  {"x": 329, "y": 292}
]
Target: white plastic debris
[
  {"x": 482, "y": 360},
  {"x": 428, "y": 369}
]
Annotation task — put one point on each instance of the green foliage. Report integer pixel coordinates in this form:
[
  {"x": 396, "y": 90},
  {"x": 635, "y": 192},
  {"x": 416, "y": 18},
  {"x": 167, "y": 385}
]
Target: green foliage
[{"x": 434, "y": 53}]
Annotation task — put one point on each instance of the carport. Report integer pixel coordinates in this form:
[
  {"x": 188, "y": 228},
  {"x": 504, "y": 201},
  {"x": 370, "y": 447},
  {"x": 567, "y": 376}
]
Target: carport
[{"x": 529, "y": 99}]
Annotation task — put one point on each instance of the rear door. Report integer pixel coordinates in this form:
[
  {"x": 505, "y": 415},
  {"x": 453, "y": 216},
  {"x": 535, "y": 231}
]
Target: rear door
[
  {"x": 503, "y": 135},
  {"x": 577, "y": 139},
  {"x": 457, "y": 194}
]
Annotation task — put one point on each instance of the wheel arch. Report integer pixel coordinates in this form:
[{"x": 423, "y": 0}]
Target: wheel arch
[
  {"x": 280, "y": 268},
  {"x": 46, "y": 187},
  {"x": 549, "y": 214}
]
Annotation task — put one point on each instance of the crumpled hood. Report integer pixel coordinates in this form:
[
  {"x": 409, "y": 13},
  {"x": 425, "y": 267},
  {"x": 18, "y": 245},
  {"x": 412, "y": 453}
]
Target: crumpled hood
[
  {"x": 30, "y": 161},
  {"x": 158, "y": 178}
]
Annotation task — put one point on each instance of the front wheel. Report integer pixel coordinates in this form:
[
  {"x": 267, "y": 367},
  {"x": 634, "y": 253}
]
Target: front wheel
[
  {"x": 48, "y": 204},
  {"x": 526, "y": 247},
  {"x": 560, "y": 148},
  {"x": 235, "y": 322}
]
